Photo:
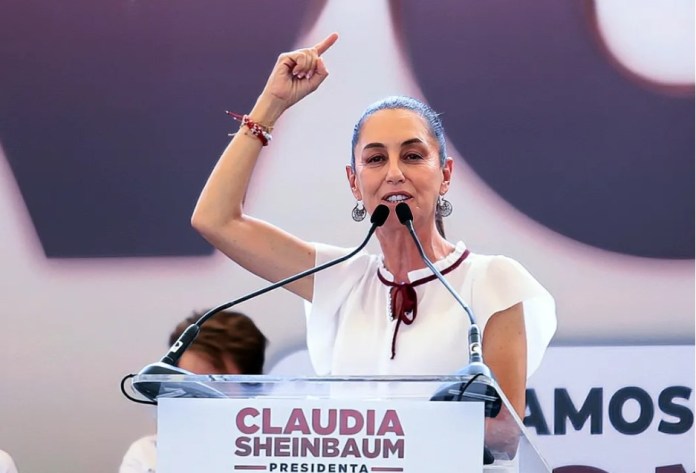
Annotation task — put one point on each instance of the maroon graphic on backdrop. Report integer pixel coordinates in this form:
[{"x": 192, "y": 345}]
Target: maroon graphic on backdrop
[
  {"x": 113, "y": 112},
  {"x": 542, "y": 114},
  {"x": 112, "y": 116}
]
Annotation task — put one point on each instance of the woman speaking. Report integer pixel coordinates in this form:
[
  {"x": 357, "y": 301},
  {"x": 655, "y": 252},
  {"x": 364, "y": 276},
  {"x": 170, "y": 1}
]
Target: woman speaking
[{"x": 386, "y": 313}]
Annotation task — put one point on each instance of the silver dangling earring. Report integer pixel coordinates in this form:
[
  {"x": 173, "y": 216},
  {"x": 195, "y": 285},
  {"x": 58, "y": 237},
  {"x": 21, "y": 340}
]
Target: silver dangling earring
[
  {"x": 444, "y": 207},
  {"x": 359, "y": 211}
]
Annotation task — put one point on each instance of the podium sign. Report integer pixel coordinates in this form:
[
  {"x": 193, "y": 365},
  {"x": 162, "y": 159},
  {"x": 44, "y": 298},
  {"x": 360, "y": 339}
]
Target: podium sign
[
  {"x": 318, "y": 436},
  {"x": 348, "y": 424}
]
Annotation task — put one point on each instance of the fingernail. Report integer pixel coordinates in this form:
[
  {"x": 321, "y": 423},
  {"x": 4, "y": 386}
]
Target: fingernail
[
  {"x": 310, "y": 74},
  {"x": 300, "y": 75}
]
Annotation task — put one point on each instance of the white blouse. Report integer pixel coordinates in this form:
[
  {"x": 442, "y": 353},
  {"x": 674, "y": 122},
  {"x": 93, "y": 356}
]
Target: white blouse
[{"x": 350, "y": 331}]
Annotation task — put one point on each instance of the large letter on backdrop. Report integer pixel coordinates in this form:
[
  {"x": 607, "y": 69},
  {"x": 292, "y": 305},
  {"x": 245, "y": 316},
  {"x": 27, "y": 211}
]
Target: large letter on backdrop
[
  {"x": 114, "y": 112},
  {"x": 535, "y": 105}
]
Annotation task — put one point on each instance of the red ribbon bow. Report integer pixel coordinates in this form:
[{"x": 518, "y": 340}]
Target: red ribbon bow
[{"x": 404, "y": 301}]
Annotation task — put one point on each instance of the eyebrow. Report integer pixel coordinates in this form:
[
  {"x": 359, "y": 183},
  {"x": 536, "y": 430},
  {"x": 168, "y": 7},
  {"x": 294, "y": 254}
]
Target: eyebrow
[{"x": 405, "y": 143}]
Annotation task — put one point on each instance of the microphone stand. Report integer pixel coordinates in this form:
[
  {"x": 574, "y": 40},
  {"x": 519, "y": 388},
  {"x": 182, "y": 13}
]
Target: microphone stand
[
  {"x": 167, "y": 365},
  {"x": 476, "y": 368},
  {"x": 473, "y": 389},
  {"x": 476, "y": 365}
]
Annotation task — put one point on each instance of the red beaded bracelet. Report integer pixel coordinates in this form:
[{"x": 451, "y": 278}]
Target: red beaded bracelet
[{"x": 261, "y": 132}]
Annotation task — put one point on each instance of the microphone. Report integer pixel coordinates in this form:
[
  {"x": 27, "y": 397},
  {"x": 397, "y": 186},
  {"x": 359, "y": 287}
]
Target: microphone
[
  {"x": 476, "y": 369},
  {"x": 167, "y": 365},
  {"x": 475, "y": 357}
]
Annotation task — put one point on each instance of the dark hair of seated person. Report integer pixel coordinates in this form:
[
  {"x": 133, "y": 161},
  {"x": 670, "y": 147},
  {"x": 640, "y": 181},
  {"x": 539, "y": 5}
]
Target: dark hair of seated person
[{"x": 229, "y": 341}]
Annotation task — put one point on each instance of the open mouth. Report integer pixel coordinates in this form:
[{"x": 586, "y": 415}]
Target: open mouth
[{"x": 396, "y": 198}]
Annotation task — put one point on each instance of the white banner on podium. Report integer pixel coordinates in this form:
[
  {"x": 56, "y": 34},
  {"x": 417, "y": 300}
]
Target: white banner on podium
[{"x": 318, "y": 436}]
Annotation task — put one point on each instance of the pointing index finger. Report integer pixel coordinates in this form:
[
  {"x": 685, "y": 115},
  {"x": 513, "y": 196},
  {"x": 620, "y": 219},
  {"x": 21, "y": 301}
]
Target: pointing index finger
[{"x": 326, "y": 43}]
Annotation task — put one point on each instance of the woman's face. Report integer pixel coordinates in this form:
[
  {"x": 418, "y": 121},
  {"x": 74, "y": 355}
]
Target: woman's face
[{"x": 397, "y": 160}]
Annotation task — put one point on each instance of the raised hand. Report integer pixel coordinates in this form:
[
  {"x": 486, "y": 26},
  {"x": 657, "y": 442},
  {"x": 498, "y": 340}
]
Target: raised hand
[{"x": 297, "y": 74}]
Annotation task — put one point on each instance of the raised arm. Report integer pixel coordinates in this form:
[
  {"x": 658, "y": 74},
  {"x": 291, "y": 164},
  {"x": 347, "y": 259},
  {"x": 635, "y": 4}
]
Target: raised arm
[{"x": 258, "y": 246}]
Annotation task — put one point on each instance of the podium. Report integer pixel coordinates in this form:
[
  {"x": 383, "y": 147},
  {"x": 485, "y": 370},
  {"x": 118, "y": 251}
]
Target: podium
[{"x": 409, "y": 424}]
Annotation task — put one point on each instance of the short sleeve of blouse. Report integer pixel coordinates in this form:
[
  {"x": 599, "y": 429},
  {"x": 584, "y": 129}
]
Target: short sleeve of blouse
[
  {"x": 502, "y": 282},
  {"x": 331, "y": 288}
]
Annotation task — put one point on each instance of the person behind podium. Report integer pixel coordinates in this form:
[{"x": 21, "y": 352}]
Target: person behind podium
[
  {"x": 229, "y": 343},
  {"x": 379, "y": 314}
]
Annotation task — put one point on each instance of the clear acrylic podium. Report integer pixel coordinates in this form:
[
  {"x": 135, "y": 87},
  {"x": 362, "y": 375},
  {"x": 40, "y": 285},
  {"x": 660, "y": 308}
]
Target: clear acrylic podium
[{"x": 407, "y": 424}]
